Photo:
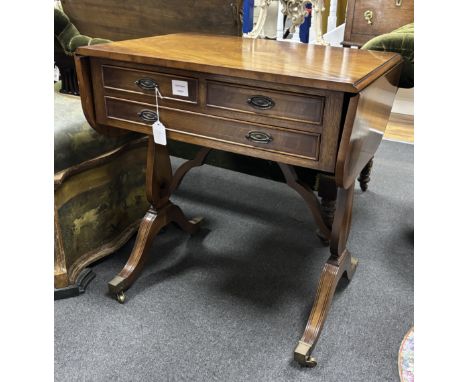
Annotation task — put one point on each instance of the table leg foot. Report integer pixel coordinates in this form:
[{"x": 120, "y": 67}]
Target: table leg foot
[
  {"x": 334, "y": 269},
  {"x": 152, "y": 224},
  {"x": 302, "y": 355}
]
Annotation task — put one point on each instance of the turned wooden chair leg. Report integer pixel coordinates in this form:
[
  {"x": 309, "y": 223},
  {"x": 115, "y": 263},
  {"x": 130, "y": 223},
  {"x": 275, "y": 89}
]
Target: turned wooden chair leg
[
  {"x": 340, "y": 263},
  {"x": 364, "y": 176},
  {"x": 159, "y": 184}
]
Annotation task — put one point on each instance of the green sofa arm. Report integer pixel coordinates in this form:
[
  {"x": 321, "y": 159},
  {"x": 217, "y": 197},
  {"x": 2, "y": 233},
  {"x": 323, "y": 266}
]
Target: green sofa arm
[
  {"x": 68, "y": 36},
  {"x": 401, "y": 41},
  {"x": 66, "y": 39}
]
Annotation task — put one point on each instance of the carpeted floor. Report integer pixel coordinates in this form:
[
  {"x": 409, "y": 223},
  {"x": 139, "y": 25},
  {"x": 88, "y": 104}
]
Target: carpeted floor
[{"x": 230, "y": 303}]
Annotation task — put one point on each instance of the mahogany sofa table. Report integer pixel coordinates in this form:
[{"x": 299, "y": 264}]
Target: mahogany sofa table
[{"x": 317, "y": 107}]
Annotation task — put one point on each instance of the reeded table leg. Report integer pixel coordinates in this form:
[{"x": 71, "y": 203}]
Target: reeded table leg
[
  {"x": 340, "y": 263},
  {"x": 159, "y": 185}
]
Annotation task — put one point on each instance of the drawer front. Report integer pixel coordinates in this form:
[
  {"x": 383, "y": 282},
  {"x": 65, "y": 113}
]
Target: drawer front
[
  {"x": 172, "y": 87},
  {"x": 383, "y": 16},
  {"x": 247, "y": 101},
  {"x": 230, "y": 132}
]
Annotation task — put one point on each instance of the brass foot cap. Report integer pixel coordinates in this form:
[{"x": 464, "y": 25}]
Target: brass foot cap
[
  {"x": 301, "y": 355},
  {"x": 116, "y": 285},
  {"x": 120, "y": 297}
]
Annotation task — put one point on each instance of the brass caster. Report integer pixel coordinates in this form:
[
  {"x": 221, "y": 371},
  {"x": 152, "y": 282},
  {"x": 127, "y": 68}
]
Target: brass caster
[
  {"x": 301, "y": 355},
  {"x": 310, "y": 362},
  {"x": 120, "y": 297}
]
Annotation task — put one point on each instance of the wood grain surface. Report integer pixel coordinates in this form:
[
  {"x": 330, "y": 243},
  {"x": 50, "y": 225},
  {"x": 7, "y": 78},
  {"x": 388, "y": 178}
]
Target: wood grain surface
[
  {"x": 121, "y": 20},
  {"x": 322, "y": 67}
]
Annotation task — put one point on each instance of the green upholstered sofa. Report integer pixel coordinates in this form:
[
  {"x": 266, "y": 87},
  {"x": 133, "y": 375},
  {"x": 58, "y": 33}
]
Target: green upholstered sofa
[
  {"x": 99, "y": 193},
  {"x": 66, "y": 39},
  {"x": 401, "y": 41},
  {"x": 99, "y": 190}
]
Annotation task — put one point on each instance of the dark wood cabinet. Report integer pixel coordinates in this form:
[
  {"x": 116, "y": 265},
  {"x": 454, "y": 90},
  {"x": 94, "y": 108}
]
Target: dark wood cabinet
[{"x": 366, "y": 19}]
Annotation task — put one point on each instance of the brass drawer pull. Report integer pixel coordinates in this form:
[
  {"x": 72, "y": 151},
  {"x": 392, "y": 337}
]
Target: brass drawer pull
[
  {"x": 146, "y": 83},
  {"x": 259, "y": 137},
  {"x": 368, "y": 16},
  {"x": 261, "y": 102},
  {"x": 148, "y": 116},
  {"x": 398, "y": 3}
]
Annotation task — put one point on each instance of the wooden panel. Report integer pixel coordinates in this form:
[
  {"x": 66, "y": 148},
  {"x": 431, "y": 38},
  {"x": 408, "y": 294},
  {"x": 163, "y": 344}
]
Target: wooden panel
[
  {"x": 298, "y": 144},
  {"x": 330, "y": 99},
  {"x": 288, "y": 147},
  {"x": 387, "y": 16},
  {"x": 286, "y": 106},
  {"x": 126, "y": 79},
  {"x": 121, "y": 20},
  {"x": 366, "y": 120},
  {"x": 406, "y": 5},
  {"x": 384, "y": 20},
  {"x": 307, "y": 65},
  {"x": 84, "y": 73}
]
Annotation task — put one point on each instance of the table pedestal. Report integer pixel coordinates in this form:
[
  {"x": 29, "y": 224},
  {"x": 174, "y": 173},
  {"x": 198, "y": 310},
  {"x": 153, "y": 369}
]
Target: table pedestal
[{"x": 160, "y": 183}]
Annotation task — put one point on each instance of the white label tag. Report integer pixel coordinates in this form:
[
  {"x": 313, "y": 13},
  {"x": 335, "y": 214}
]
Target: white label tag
[
  {"x": 180, "y": 88},
  {"x": 159, "y": 133},
  {"x": 56, "y": 74}
]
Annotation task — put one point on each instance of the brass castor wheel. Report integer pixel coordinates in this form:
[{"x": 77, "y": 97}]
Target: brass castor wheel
[
  {"x": 310, "y": 362},
  {"x": 120, "y": 297},
  {"x": 302, "y": 355}
]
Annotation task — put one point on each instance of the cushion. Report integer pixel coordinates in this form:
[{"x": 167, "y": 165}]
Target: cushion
[
  {"x": 68, "y": 36},
  {"x": 401, "y": 41},
  {"x": 75, "y": 141}
]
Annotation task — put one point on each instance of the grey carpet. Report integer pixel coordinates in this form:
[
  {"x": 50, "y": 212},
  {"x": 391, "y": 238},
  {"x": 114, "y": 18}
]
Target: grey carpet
[{"x": 230, "y": 303}]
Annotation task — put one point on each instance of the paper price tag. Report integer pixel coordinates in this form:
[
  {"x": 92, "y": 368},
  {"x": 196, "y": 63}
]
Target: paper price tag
[
  {"x": 180, "y": 88},
  {"x": 159, "y": 133},
  {"x": 56, "y": 74}
]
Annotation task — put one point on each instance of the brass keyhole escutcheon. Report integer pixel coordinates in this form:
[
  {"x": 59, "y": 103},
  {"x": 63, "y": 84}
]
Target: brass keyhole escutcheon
[
  {"x": 398, "y": 3},
  {"x": 368, "y": 15}
]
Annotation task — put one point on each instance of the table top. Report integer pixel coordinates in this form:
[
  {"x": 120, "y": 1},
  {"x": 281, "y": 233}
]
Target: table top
[{"x": 322, "y": 67}]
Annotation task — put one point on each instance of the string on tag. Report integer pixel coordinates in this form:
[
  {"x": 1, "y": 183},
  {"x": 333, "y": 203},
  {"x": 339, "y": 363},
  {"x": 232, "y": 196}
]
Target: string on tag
[
  {"x": 157, "y": 94},
  {"x": 159, "y": 130}
]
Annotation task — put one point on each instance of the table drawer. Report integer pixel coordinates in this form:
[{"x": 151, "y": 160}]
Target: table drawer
[
  {"x": 231, "y": 132},
  {"x": 173, "y": 87},
  {"x": 247, "y": 101}
]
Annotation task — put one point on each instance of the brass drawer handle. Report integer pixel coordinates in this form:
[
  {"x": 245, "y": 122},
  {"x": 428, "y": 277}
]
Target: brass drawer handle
[
  {"x": 146, "y": 83},
  {"x": 368, "y": 16},
  {"x": 398, "y": 3},
  {"x": 259, "y": 137},
  {"x": 261, "y": 102},
  {"x": 148, "y": 116}
]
